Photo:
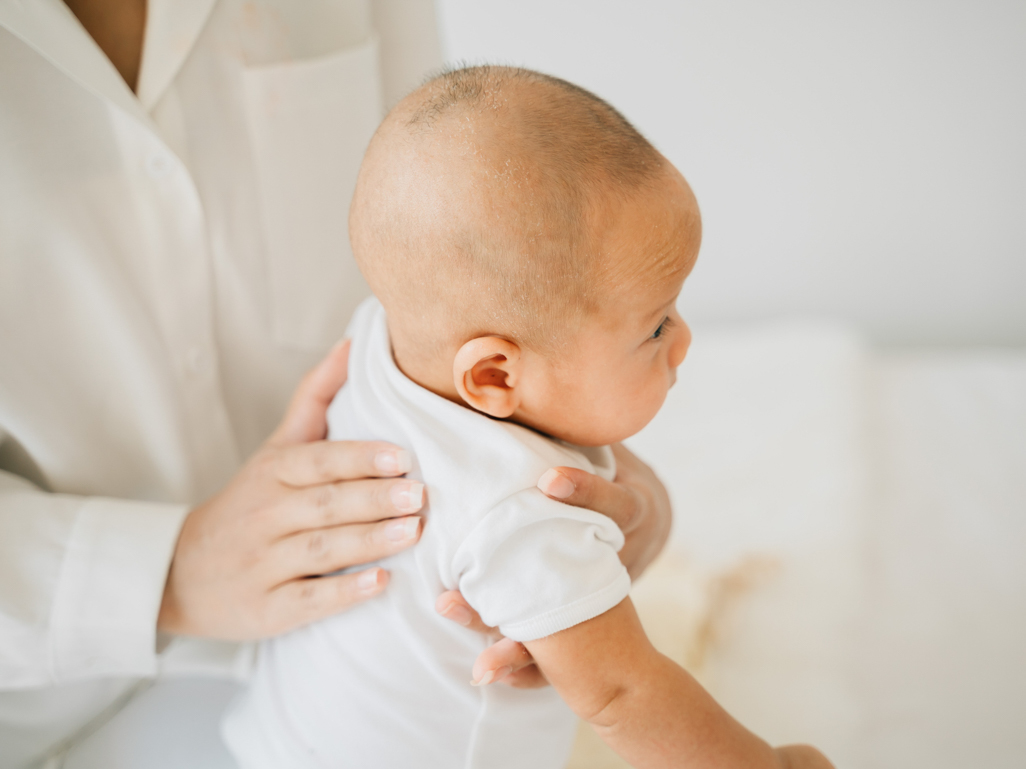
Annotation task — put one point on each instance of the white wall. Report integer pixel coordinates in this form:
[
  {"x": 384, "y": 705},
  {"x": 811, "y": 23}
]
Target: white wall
[{"x": 862, "y": 160}]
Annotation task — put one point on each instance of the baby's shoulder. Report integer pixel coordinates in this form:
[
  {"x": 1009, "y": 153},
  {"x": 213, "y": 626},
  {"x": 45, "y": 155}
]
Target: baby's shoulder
[
  {"x": 470, "y": 473},
  {"x": 544, "y": 452}
]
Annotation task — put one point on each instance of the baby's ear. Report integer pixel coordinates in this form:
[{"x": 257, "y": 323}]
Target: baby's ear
[{"x": 485, "y": 372}]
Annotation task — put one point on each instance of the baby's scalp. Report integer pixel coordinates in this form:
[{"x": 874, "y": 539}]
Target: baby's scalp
[{"x": 479, "y": 204}]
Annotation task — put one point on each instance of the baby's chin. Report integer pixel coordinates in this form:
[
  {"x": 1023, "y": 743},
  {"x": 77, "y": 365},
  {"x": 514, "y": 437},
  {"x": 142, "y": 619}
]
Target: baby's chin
[
  {"x": 596, "y": 434},
  {"x": 595, "y": 425}
]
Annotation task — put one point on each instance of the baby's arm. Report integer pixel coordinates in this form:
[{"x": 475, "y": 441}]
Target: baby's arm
[{"x": 647, "y": 708}]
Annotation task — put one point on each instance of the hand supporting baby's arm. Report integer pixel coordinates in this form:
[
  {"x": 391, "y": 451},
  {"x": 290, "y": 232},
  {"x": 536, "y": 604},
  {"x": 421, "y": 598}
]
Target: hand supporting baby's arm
[
  {"x": 635, "y": 500},
  {"x": 645, "y": 707}
]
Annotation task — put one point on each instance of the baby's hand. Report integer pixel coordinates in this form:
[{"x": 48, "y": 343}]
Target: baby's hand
[{"x": 505, "y": 660}]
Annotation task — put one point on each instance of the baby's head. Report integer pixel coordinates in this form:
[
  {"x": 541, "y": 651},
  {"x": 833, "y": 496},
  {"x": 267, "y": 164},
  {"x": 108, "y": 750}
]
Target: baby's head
[{"x": 528, "y": 245}]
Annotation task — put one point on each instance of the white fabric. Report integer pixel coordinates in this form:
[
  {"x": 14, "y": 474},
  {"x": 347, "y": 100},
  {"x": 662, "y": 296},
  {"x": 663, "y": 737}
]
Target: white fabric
[
  {"x": 170, "y": 265},
  {"x": 171, "y": 725},
  {"x": 386, "y": 684}
]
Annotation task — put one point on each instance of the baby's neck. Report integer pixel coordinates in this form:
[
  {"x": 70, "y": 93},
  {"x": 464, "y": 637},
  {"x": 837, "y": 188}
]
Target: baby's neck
[{"x": 433, "y": 373}]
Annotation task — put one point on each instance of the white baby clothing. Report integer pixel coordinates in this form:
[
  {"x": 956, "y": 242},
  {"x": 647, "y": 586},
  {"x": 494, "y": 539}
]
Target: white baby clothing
[{"x": 387, "y": 683}]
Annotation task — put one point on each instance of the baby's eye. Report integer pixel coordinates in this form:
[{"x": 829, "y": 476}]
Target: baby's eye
[{"x": 662, "y": 328}]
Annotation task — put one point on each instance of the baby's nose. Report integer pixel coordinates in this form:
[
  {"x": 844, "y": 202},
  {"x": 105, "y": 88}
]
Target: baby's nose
[{"x": 679, "y": 350}]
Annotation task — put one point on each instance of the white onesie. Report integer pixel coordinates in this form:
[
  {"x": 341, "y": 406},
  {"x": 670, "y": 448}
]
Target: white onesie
[{"x": 387, "y": 683}]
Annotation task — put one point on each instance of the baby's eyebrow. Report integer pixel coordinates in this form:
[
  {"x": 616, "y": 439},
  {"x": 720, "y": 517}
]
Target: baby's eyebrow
[
  {"x": 653, "y": 317},
  {"x": 659, "y": 312}
]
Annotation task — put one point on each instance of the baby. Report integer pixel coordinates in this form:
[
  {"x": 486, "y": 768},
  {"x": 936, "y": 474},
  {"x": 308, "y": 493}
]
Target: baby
[{"x": 526, "y": 246}]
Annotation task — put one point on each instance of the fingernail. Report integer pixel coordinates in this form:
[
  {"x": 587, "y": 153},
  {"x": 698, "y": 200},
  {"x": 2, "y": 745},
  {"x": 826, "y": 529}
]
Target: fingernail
[
  {"x": 393, "y": 461},
  {"x": 502, "y": 673},
  {"x": 555, "y": 484},
  {"x": 367, "y": 579},
  {"x": 402, "y": 529},
  {"x": 491, "y": 676},
  {"x": 458, "y": 614},
  {"x": 486, "y": 679},
  {"x": 407, "y": 497}
]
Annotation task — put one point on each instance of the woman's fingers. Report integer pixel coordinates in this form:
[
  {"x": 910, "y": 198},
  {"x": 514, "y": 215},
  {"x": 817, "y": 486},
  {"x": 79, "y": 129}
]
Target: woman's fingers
[
  {"x": 636, "y": 501},
  {"x": 582, "y": 489},
  {"x": 335, "y": 504},
  {"x": 453, "y": 606},
  {"x": 529, "y": 677},
  {"x": 322, "y": 551},
  {"x": 311, "y": 464},
  {"x": 652, "y": 526},
  {"x": 300, "y": 506},
  {"x": 302, "y": 601},
  {"x": 305, "y": 420},
  {"x": 505, "y": 660}
]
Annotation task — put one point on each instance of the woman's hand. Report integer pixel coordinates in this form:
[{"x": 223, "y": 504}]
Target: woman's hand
[
  {"x": 505, "y": 660},
  {"x": 300, "y": 507},
  {"x": 636, "y": 500}
]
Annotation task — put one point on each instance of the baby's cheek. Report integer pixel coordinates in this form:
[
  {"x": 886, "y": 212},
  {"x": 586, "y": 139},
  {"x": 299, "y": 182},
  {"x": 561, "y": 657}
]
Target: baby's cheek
[
  {"x": 661, "y": 380},
  {"x": 638, "y": 409}
]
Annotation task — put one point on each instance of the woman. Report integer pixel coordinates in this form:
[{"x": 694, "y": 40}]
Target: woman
[{"x": 172, "y": 261}]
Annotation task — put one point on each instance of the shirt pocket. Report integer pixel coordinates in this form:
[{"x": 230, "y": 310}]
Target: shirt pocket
[{"x": 309, "y": 124}]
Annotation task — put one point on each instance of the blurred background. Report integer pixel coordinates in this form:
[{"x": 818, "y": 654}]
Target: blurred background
[
  {"x": 846, "y": 448},
  {"x": 857, "y": 160}
]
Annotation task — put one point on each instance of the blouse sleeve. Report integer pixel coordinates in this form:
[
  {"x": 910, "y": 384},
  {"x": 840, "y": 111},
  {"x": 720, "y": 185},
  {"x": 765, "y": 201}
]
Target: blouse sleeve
[
  {"x": 81, "y": 580},
  {"x": 533, "y": 566}
]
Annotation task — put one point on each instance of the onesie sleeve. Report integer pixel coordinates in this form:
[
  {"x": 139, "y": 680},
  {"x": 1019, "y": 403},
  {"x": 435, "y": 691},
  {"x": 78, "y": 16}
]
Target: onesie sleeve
[{"x": 533, "y": 566}]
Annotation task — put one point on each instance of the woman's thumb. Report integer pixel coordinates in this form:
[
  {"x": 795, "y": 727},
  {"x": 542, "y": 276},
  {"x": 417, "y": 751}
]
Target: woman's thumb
[{"x": 306, "y": 418}]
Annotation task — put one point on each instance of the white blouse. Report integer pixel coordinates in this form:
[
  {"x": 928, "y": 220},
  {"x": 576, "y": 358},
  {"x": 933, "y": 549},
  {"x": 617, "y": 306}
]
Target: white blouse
[{"x": 170, "y": 264}]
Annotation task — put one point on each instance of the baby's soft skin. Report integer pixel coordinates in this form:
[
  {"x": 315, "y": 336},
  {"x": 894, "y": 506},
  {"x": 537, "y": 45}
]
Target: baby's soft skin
[
  {"x": 529, "y": 247},
  {"x": 646, "y": 707}
]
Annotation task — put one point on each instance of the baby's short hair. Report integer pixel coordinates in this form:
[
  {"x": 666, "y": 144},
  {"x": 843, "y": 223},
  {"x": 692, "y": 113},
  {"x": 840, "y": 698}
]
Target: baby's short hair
[
  {"x": 579, "y": 137},
  {"x": 474, "y": 199}
]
